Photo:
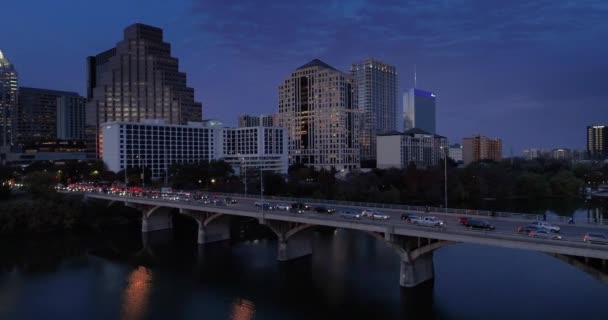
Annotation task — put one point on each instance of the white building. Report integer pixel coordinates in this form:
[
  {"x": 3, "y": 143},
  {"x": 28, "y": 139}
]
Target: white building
[
  {"x": 455, "y": 152},
  {"x": 156, "y": 145},
  {"x": 398, "y": 149}
]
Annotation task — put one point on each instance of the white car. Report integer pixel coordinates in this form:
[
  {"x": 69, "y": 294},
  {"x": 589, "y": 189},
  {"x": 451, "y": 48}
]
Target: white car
[
  {"x": 380, "y": 216},
  {"x": 428, "y": 222},
  {"x": 283, "y": 206},
  {"x": 369, "y": 213},
  {"x": 546, "y": 226}
]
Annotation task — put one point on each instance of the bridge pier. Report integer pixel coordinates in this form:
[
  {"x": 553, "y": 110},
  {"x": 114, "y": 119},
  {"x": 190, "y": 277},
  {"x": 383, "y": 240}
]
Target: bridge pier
[
  {"x": 212, "y": 227},
  {"x": 294, "y": 239},
  {"x": 417, "y": 271},
  {"x": 155, "y": 219}
]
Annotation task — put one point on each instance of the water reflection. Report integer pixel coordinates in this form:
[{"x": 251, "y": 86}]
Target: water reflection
[
  {"x": 137, "y": 294},
  {"x": 242, "y": 309}
]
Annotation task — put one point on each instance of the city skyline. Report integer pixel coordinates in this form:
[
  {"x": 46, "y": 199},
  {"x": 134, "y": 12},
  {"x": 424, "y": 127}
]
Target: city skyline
[{"x": 486, "y": 73}]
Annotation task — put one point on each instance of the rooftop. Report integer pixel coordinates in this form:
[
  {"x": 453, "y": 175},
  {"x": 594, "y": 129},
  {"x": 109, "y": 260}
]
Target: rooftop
[{"x": 317, "y": 63}]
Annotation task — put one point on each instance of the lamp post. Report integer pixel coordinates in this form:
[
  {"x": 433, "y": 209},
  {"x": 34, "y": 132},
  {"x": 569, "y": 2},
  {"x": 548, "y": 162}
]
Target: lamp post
[
  {"x": 244, "y": 171},
  {"x": 445, "y": 178}
]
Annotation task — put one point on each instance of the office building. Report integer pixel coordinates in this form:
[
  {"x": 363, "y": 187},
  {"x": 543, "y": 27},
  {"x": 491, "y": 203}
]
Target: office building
[
  {"x": 47, "y": 115},
  {"x": 318, "y": 107},
  {"x": 399, "y": 149},
  {"x": 534, "y": 153},
  {"x": 597, "y": 142},
  {"x": 419, "y": 110},
  {"x": 255, "y": 148},
  {"x": 137, "y": 80},
  {"x": 480, "y": 148},
  {"x": 8, "y": 100},
  {"x": 376, "y": 84},
  {"x": 455, "y": 152},
  {"x": 270, "y": 120},
  {"x": 157, "y": 145}
]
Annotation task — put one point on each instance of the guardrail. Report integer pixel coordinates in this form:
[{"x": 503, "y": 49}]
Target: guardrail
[
  {"x": 566, "y": 241},
  {"x": 469, "y": 212}
]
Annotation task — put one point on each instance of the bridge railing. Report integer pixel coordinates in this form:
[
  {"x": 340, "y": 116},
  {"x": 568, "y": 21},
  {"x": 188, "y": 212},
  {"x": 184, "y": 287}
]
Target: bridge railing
[{"x": 421, "y": 209}]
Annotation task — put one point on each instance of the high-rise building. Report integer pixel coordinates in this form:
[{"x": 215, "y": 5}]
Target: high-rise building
[
  {"x": 255, "y": 148},
  {"x": 8, "y": 100},
  {"x": 270, "y": 120},
  {"x": 399, "y": 149},
  {"x": 376, "y": 84},
  {"x": 136, "y": 80},
  {"x": 318, "y": 107},
  {"x": 419, "y": 110},
  {"x": 44, "y": 115},
  {"x": 479, "y": 148},
  {"x": 455, "y": 152},
  {"x": 597, "y": 142}
]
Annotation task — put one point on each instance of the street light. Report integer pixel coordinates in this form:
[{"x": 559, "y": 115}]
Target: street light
[{"x": 445, "y": 177}]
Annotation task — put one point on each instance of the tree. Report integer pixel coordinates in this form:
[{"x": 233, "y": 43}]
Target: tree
[{"x": 40, "y": 184}]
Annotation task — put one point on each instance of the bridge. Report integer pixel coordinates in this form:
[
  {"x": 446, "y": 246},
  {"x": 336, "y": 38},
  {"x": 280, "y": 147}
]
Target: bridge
[{"x": 413, "y": 244}]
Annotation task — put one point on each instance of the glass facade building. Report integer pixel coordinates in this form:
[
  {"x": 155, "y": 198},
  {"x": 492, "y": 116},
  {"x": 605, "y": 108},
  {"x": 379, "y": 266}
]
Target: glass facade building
[
  {"x": 318, "y": 107},
  {"x": 597, "y": 142},
  {"x": 377, "y": 99},
  {"x": 8, "y": 100},
  {"x": 137, "y": 80},
  {"x": 419, "y": 110},
  {"x": 269, "y": 120}
]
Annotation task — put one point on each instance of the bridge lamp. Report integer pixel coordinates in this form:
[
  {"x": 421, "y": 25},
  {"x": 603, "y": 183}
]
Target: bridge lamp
[{"x": 212, "y": 180}]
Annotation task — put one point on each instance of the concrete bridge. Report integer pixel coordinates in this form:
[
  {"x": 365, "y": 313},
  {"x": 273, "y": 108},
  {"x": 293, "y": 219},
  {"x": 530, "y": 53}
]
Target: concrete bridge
[{"x": 413, "y": 244}]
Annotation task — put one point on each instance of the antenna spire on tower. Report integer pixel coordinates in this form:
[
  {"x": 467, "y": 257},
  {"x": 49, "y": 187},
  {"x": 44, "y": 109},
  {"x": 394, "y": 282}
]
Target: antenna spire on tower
[{"x": 415, "y": 76}]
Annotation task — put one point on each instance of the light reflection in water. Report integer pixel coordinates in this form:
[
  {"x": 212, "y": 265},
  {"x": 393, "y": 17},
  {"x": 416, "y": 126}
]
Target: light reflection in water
[
  {"x": 242, "y": 309},
  {"x": 136, "y": 294}
]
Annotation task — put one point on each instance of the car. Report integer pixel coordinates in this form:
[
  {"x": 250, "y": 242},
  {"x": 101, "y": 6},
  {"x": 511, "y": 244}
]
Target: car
[
  {"x": 411, "y": 218},
  {"x": 429, "y": 222},
  {"x": 478, "y": 224},
  {"x": 321, "y": 209},
  {"x": 405, "y": 216},
  {"x": 369, "y": 213},
  {"x": 264, "y": 205},
  {"x": 300, "y": 206},
  {"x": 219, "y": 202},
  {"x": 229, "y": 200},
  {"x": 546, "y": 226},
  {"x": 527, "y": 229},
  {"x": 595, "y": 237},
  {"x": 349, "y": 215},
  {"x": 463, "y": 220},
  {"x": 544, "y": 234},
  {"x": 380, "y": 216},
  {"x": 283, "y": 206}
]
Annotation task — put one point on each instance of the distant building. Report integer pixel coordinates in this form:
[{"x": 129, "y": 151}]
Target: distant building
[
  {"x": 8, "y": 100},
  {"x": 255, "y": 148},
  {"x": 480, "y": 148},
  {"x": 318, "y": 107},
  {"x": 137, "y": 80},
  {"x": 532, "y": 153},
  {"x": 399, "y": 149},
  {"x": 561, "y": 154},
  {"x": 597, "y": 142},
  {"x": 455, "y": 152},
  {"x": 246, "y": 120},
  {"x": 156, "y": 145},
  {"x": 56, "y": 152},
  {"x": 47, "y": 115},
  {"x": 419, "y": 110},
  {"x": 377, "y": 99}
]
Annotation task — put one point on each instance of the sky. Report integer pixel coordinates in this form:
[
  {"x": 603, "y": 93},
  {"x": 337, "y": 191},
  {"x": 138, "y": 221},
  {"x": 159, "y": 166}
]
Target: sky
[{"x": 533, "y": 73}]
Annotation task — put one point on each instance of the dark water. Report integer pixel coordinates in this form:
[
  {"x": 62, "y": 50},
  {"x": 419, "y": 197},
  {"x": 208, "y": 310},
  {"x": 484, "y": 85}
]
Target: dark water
[{"x": 349, "y": 276}]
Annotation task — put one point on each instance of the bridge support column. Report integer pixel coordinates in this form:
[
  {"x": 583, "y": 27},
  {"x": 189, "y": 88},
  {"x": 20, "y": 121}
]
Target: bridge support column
[
  {"x": 213, "y": 232},
  {"x": 294, "y": 239},
  {"x": 156, "y": 219},
  {"x": 416, "y": 271}
]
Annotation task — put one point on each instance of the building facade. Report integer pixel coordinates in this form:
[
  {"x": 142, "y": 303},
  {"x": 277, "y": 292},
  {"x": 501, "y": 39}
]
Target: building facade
[
  {"x": 8, "y": 100},
  {"x": 480, "y": 148},
  {"x": 376, "y": 84},
  {"x": 419, "y": 110},
  {"x": 597, "y": 143},
  {"x": 156, "y": 145},
  {"x": 45, "y": 115},
  {"x": 270, "y": 120},
  {"x": 255, "y": 148},
  {"x": 455, "y": 152},
  {"x": 318, "y": 107},
  {"x": 399, "y": 149},
  {"x": 137, "y": 80}
]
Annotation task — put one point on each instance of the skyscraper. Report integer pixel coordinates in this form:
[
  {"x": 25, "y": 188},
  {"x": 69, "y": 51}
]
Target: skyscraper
[
  {"x": 479, "y": 148},
  {"x": 136, "y": 80},
  {"x": 246, "y": 120},
  {"x": 40, "y": 112},
  {"x": 419, "y": 110},
  {"x": 8, "y": 100},
  {"x": 318, "y": 107},
  {"x": 377, "y": 99},
  {"x": 597, "y": 142}
]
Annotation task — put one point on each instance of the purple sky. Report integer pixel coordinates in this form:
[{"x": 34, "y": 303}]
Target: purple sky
[{"x": 531, "y": 72}]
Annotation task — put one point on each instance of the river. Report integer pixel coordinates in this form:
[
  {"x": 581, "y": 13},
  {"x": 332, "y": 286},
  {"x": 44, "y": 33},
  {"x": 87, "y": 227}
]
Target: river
[{"x": 349, "y": 276}]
